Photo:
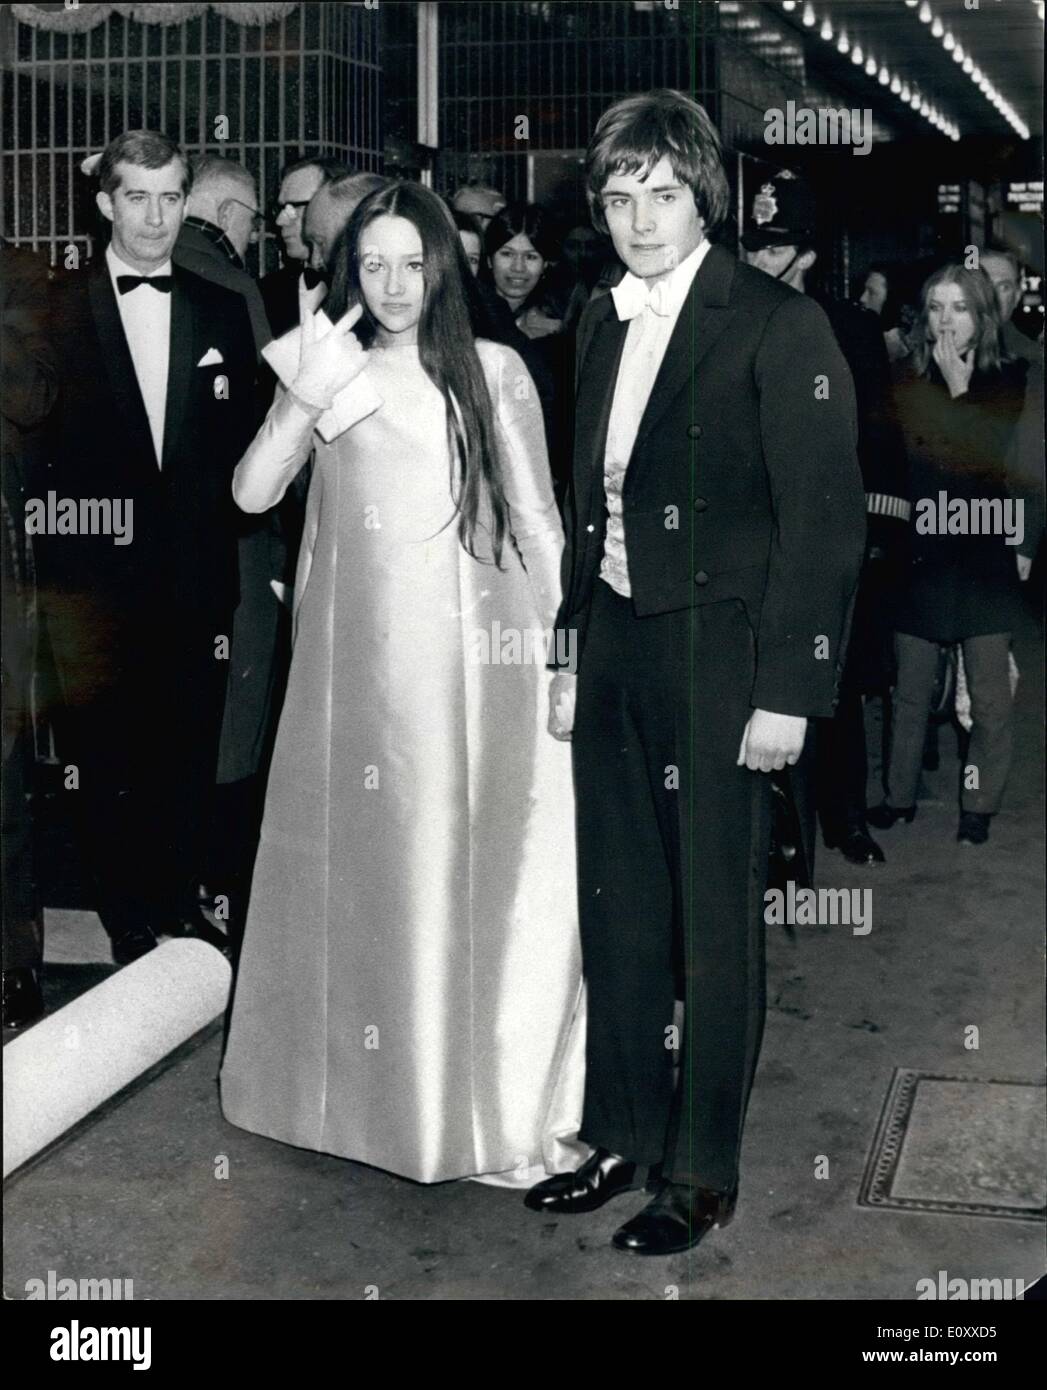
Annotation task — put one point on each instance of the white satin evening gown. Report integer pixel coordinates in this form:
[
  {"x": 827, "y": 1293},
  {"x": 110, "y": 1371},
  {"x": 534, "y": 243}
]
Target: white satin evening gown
[{"x": 409, "y": 993}]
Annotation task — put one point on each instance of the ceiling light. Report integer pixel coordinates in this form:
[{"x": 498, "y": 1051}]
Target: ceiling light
[
  {"x": 925, "y": 13},
  {"x": 968, "y": 64},
  {"x": 870, "y": 66},
  {"x": 906, "y": 93},
  {"x": 843, "y": 44},
  {"x": 957, "y": 53},
  {"x": 857, "y": 56},
  {"x": 885, "y": 77},
  {"x": 937, "y": 28},
  {"x": 896, "y": 85},
  {"x": 788, "y": 4},
  {"x": 826, "y": 31},
  {"x": 809, "y": 17},
  {"x": 949, "y": 43}
]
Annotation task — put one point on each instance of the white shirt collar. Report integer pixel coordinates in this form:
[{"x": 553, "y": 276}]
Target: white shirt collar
[
  {"x": 117, "y": 266},
  {"x": 632, "y": 293}
]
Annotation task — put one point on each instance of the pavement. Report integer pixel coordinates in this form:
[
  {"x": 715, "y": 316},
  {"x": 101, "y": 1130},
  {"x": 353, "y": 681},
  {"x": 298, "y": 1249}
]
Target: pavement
[{"x": 159, "y": 1189}]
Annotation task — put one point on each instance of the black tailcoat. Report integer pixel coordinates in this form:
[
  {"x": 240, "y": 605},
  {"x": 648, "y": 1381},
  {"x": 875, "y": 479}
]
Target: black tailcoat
[{"x": 744, "y": 518}]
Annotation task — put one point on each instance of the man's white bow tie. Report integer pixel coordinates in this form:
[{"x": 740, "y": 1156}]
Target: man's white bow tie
[{"x": 633, "y": 295}]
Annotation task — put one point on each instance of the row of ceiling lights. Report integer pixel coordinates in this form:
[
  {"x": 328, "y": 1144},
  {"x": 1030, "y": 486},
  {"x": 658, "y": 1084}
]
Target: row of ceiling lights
[
  {"x": 927, "y": 16},
  {"x": 910, "y": 95},
  {"x": 901, "y": 89}
]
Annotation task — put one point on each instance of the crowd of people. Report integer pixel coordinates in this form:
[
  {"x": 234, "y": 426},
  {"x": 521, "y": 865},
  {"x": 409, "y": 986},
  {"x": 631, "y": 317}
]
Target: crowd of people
[{"x": 283, "y": 710}]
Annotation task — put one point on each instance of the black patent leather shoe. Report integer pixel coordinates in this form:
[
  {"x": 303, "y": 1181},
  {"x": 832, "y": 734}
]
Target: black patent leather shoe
[
  {"x": 132, "y": 944},
  {"x": 23, "y": 1002},
  {"x": 857, "y": 846},
  {"x": 884, "y": 816},
  {"x": 600, "y": 1178},
  {"x": 677, "y": 1219}
]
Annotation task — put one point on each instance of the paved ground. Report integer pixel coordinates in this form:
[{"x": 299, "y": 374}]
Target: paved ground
[{"x": 956, "y": 940}]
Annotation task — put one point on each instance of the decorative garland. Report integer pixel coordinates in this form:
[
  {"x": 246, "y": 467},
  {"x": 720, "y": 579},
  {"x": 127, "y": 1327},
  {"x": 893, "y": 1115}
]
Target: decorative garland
[{"x": 78, "y": 19}]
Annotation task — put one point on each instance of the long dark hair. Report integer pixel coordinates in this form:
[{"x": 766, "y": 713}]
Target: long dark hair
[
  {"x": 980, "y": 297},
  {"x": 541, "y": 229},
  {"x": 446, "y": 348}
]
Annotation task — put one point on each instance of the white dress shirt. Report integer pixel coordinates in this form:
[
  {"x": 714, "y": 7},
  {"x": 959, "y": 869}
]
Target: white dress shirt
[
  {"x": 652, "y": 311},
  {"x": 146, "y": 316}
]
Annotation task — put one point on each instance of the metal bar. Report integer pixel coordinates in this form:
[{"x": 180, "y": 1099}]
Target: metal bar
[{"x": 33, "y": 134}]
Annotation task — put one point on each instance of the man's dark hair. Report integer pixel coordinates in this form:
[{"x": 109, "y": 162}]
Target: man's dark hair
[
  {"x": 634, "y": 134},
  {"x": 146, "y": 149}
]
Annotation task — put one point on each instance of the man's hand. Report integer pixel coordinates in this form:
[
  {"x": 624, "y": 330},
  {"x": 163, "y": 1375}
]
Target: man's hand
[
  {"x": 561, "y": 705},
  {"x": 771, "y": 740}
]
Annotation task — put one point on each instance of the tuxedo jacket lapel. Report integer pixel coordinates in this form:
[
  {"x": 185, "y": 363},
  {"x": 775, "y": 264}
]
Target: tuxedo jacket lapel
[
  {"x": 116, "y": 359},
  {"x": 180, "y": 366},
  {"x": 703, "y": 318},
  {"x": 597, "y": 378}
]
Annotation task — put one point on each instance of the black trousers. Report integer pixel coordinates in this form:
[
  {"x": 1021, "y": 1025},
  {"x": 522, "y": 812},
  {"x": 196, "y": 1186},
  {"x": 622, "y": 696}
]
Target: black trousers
[
  {"x": 140, "y": 722},
  {"x": 672, "y": 866},
  {"x": 841, "y": 762}
]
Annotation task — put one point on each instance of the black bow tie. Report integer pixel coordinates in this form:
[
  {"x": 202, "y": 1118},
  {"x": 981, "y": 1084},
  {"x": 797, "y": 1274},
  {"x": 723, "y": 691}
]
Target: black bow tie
[
  {"x": 313, "y": 278},
  {"x": 131, "y": 282}
]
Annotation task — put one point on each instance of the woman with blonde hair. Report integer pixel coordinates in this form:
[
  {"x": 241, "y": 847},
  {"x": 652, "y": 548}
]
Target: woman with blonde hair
[{"x": 958, "y": 400}]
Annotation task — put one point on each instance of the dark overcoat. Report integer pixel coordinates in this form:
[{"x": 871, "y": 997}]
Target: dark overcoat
[{"x": 958, "y": 585}]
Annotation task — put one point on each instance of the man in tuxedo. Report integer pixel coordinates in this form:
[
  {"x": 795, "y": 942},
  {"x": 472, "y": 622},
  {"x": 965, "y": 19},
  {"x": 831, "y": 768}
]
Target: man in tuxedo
[
  {"x": 157, "y": 381},
  {"x": 715, "y": 529}
]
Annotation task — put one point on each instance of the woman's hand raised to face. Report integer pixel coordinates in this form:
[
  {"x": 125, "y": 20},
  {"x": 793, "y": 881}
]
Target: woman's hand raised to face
[
  {"x": 327, "y": 365},
  {"x": 538, "y": 325},
  {"x": 954, "y": 368}
]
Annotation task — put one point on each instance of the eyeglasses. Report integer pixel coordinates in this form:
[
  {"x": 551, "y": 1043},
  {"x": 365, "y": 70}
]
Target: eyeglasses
[{"x": 257, "y": 219}]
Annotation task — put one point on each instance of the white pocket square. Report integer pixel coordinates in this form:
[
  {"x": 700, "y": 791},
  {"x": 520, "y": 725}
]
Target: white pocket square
[{"x": 211, "y": 358}]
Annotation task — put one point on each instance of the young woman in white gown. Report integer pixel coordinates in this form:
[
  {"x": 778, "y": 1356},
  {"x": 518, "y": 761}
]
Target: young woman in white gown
[{"x": 409, "y": 989}]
